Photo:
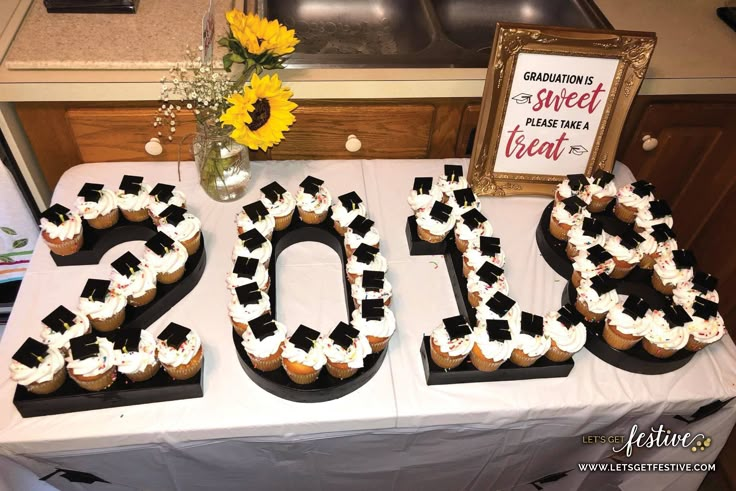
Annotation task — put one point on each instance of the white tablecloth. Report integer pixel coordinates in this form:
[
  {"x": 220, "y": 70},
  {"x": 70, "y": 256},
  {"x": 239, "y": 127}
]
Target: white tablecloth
[{"x": 395, "y": 432}]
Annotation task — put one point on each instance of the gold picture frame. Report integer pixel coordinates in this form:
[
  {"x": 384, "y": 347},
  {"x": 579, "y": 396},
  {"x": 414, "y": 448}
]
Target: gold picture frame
[{"x": 633, "y": 50}]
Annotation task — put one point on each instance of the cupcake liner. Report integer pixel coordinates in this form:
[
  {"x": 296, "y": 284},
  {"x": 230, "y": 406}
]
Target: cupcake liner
[
  {"x": 307, "y": 375},
  {"x": 268, "y": 364},
  {"x": 145, "y": 374},
  {"x": 474, "y": 298},
  {"x": 96, "y": 383},
  {"x": 311, "y": 217},
  {"x": 621, "y": 269},
  {"x": 466, "y": 268},
  {"x": 65, "y": 247},
  {"x": 49, "y": 386},
  {"x": 187, "y": 371},
  {"x": 462, "y": 245},
  {"x": 340, "y": 370},
  {"x": 105, "y": 221},
  {"x": 348, "y": 251},
  {"x": 169, "y": 278},
  {"x": 571, "y": 251},
  {"x": 554, "y": 353},
  {"x": 482, "y": 363},
  {"x": 617, "y": 339},
  {"x": 426, "y": 236},
  {"x": 378, "y": 344},
  {"x": 144, "y": 299},
  {"x": 192, "y": 245},
  {"x": 659, "y": 285},
  {"x": 639, "y": 229},
  {"x": 135, "y": 215},
  {"x": 283, "y": 222},
  {"x": 624, "y": 213},
  {"x": 239, "y": 327},
  {"x": 598, "y": 205},
  {"x": 576, "y": 279},
  {"x": 339, "y": 228},
  {"x": 110, "y": 324},
  {"x": 352, "y": 277},
  {"x": 558, "y": 198},
  {"x": 694, "y": 345},
  {"x": 445, "y": 361},
  {"x": 647, "y": 262},
  {"x": 518, "y": 357},
  {"x": 558, "y": 230},
  {"x": 582, "y": 307},
  {"x": 657, "y": 351}
]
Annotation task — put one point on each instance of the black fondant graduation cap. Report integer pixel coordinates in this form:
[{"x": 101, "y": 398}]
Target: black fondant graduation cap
[
  {"x": 365, "y": 253},
  {"x": 662, "y": 232},
  {"x": 704, "y": 282},
  {"x": 464, "y": 197},
  {"x": 60, "y": 319},
  {"x": 457, "y": 327},
  {"x": 683, "y": 259},
  {"x": 602, "y": 284},
  {"x": 90, "y": 192},
  {"x": 256, "y": 211},
  {"x": 704, "y": 308},
  {"x": 489, "y": 272},
  {"x": 573, "y": 205},
  {"x": 304, "y": 338},
  {"x": 577, "y": 181},
  {"x": 252, "y": 239},
  {"x": 131, "y": 184},
  {"x": 311, "y": 185},
  {"x": 174, "y": 335},
  {"x": 360, "y": 225},
  {"x": 162, "y": 192},
  {"x": 490, "y": 246},
  {"x": 262, "y": 326},
  {"x": 500, "y": 304},
  {"x": 453, "y": 173},
  {"x": 173, "y": 214},
  {"x": 473, "y": 218},
  {"x": 569, "y": 316},
  {"x": 635, "y": 307},
  {"x": 248, "y": 294},
  {"x": 498, "y": 330},
  {"x": 31, "y": 353},
  {"x": 676, "y": 315},
  {"x": 631, "y": 239},
  {"x": 440, "y": 211},
  {"x": 96, "y": 290},
  {"x": 592, "y": 227},
  {"x": 601, "y": 177},
  {"x": 422, "y": 185},
  {"x": 350, "y": 200},
  {"x": 532, "y": 324},
  {"x": 160, "y": 243},
  {"x": 659, "y": 209},
  {"x": 372, "y": 309},
  {"x": 127, "y": 264},
  {"x": 127, "y": 340},
  {"x": 343, "y": 335},
  {"x": 56, "y": 214},
  {"x": 373, "y": 280},
  {"x": 245, "y": 267},
  {"x": 273, "y": 191},
  {"x": 598, "y": 255},
  {"x": 84, "y": 347},
  {"x": 642, "y": 188}
]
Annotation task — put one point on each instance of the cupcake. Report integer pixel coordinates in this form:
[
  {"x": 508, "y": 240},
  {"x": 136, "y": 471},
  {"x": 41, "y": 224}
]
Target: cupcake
[
  {"x": 61, "y": 325},
  {"x": 132, "y": 280},
  {"x": 161, "y": 197},
  {"x": 280, "y": 204},
  {"x": 61, "y": 230},
  {"x": 701, "y": 285},
  {"x": 360, "y": 231},
  {"x": 672, "y": 269},
  {"x": 462, "y": 201},
  {"x": 632, "y": 198},
  {"x": 487, "y": 250},
  {"x": 667, "y": 333},
  {"x": 565, "y": 214},
  {"x": 469, "y": 228},
  {"x": 91, "y": 363},
  {"x": 181, "y": 226},
  {"x": 248, "y": 270},
  {"x": 104, "y": 308},
  {"x": 348, "y": 207},
  {"x": 573, "y": 185},
  {"x": 482, "y": 284},
  {"x": 451, "y": 342},
  {"x": 423, "y": 195},
  {"x": 98, "y": 206},
  {"x": 626, "y": 323},
  {"x": 180, "y": 351},
  {"x": 584, "y": 235},
  {"x": 587, "y": 264},
  {"x": 246, "y": 304},
  {"x": 371, "y": 286},
  {"x": 252, "y": 244},
  {"x": 602, "y": 190},
  {"x": 660, "y": 240},
  {"x": 165, "y": 257},
  {"x": 566, "y": 333},
  {"x": 365, "y": 258},
  {"x": 134, "y": 354},
  {"x": 595, "y": 297},
  {"x": 313, "y": 200},
  {"x": 303, "y": 356},
  {"x": 499, "y": 307},
  {"x": 706, "y": 326},
  {"x": 493, "y": 345},
  {"x": 263, "y": 341},
  {"x": 345, "y": 349},
  {"x": 256, "y": 216},
  {"x": 451, "y": 181},
  {"x": 434, "y": 225},
  {"x": 38, "y": 367},
  {"x": 625, "y": 252},
  {"x": 133, "y": 197},
  {"x": 376, "y": 322},
  {"x": 654, "y": 213},
  {"x": 531, "y": 344}
]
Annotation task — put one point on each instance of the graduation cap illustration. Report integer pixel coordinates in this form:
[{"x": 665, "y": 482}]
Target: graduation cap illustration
[
  {"x": 577, "y": 150},
  {"x": 422, "y": 185},
  {"x": 676, "y": 315},
  {"x": 256, "y": 211},
  {"x": 252, "y": 239},
  {"x": 160, "y": 244},
  {"x": 683, "y": 259},
  {"x": 500, "y": 304},
  {"x": 131, "y": 184},
  {"x": 373, "y": 281},
  {"x": 273, "y": 191},
  {"x": 662, "y": 232},
  {"x": 573, "y": 205},
  {"x": 704, "y": 308},
  {"x": 365, "y": 253},
  {"x": 127, "y": 264},
  {"x": 95, "y": 290},
  {"x": 440, "y": 211},
  {"x": 31, "y": 353},
  {"x": 659, "y": 209},
  {"x": 704, "y": 282},
  {"x": 248, "y": 294},
  {"x": 635, "y": 307},
  {"x": 489, "y": 272},
  {"x": 60, "y": 319},
  {"x": 162, "y": 192},
  {"x": 602, "y": 284},
  {"x": 473, "y": 218},
  {"x": 343, "y": 335},
  {"x": 75, "y": 476},
  {"x": 84, "y": 347},
  {"x": 174, "y": 335},
  {"x": 601, "y": 177},
  {"x": 263, "y": 326},
  {"x": 127, "y": 340},
  {"x": 498, "y": 330},
  {"x": 538, "y": 484},
  {"x": 569, "y": 316},
  {"x": 173, "y": 215},
  {"x": 464, "y": 197},
  {"x": 532, "y": 324},
  {"x": 642, "y": 188},
  {"x": 304, "y": 338},
  {"x": 361, "y": 225},
  {"x": 490, "y": 246},
  {"x": 90, "y": 192},
  {"x": 577, "y": 181},
  {"x": 598, "y": 255},
  {"x": 56, "y": 214},
  {"x": 522, "y": 98},
  {"x": 372, "y": 309},
  {"x": 311, "y": 185},
  {"x": 245, "y": 267},
  {"x": 457, "y": 327},
  {"x": 592, "y": 227},
  {"x": 350, "y": 201},
  {"x": 631, "y": 239},
  {"x": 453, "y": 173}
]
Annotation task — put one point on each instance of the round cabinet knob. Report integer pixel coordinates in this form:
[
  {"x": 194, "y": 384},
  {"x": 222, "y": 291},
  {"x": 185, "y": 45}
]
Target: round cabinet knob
[
  {"x": 649, "y": 143},
  {"x": 154, "y": 147},
  {"x": 353, "y": 144}
]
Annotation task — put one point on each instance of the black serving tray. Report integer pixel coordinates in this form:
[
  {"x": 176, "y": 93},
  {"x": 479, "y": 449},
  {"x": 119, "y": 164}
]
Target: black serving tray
[{"x": 419, "y": 247}]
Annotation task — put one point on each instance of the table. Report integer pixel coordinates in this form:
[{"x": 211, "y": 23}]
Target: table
[{"x": 395, "y": 431}]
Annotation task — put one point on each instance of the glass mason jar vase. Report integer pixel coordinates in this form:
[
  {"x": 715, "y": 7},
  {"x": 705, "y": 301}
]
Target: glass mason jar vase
[{"x": 223, "y": 164}]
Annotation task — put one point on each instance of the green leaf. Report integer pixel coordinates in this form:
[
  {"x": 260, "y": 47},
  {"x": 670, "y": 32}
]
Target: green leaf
[
  {"x": 20, "y": 243},
  {"x": 8, "y": 230},
  {"x": 236, "y": 58},
  {"x": 223, "y": 41},
  {"x": 227, "y": 62}
]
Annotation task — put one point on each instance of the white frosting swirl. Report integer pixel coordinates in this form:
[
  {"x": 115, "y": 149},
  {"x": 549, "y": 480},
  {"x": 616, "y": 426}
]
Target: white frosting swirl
[
  {"x": 136, "y": 285},
  {"x": 582, "y": 242},
  {"x": 265, "y": 225},
  {"x": 113, "y": 304},
  {"x": 263, "y": 348},
  {"x": 91, "y": 209},
  {"x": 645, "y": 220},
  {"x": 260, "y": 277},
  {"x": 476, "y": 258},
  {"x": 570, "y": 339},
  {"x": 317, "y": 203},
  {"x": 243, "y": 314},
  {"x": 458, "y": 209},
  {"x": 435, "y": 227},
  {"x": 621, "y": 252},
  {"x": 353, "y": 355},
  {"x": 463, "y": 232},
  {"x": 486, "y": 291},
  {"x": 59, "y": 340},
  {"x": 565, "y": 191},
  {"x": 483, "y": 314},
  {"x": 137, "y": 361},
  {"x": 609, "y": 190},
  {"x": 627, "y": 197},
  {"x": 315, "y": 358},
  {"x": 492, "y": 350},
  {"x": 134, "y": 202},
  {"x": 660, "y": 334},
  {"x": 371, "y": 238},
  {"x": 382, "y": 328},
  {"x": 345, "y": 217},
  {"x": 532, "y": 346},
  {"x": 596, "y": 303},
  {"x": 354, "y": 266},
  {"x": 359, "y": 293},
  {"x": 561, "y": 215},
  {"x": 452, "y": 347},
  {"x": 175, "y": 357},
  {"x": 583, "y": 265},
  {"x": 184, "y": 230},
  {"x": 262, "y": 253},
  {"x": 685, "y": 294},
  {"x": 627, "y": 324},
  {"x": 156, "y": 207},
  {"x": 706, "y": 331},
  {"x": 668, "y": 271},
  {"x": 169, "y": 262},
  {"x": 282, "y": 207},
  {"x": 420, "y": 203},
  {"x": 94, "y": 365},
  {"x": 69, "y": 228},
  {"x": 45, "y": 371},
  {"x": 448, "y": 187}
]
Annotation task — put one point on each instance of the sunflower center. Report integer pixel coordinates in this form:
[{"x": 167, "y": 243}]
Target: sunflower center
[{"x": 261, "y": 113}]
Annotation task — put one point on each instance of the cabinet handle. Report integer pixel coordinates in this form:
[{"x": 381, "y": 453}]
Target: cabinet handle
[
  {"x": 353, "y": 144},
  {"x": 153, "y": 147},
  {"x": 649, "y": 143}
]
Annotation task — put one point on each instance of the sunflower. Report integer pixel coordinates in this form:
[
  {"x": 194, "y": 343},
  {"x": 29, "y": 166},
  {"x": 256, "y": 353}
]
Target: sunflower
[
  {"x": 258, "y": 35},
  {"x": 261, "y": 113}
]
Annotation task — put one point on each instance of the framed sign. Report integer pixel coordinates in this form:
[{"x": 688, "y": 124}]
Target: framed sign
[{"x": 554, "y": 103}]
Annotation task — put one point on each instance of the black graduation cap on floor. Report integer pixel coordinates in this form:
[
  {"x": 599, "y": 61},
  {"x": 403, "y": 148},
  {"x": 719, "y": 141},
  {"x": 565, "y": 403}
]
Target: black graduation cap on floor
[
  {"x": 464, "y": 197},
  {"x": 162, "y": 192},
  {"x": 84, "y": 347},
  {"x": 704, "y": 308},
  {"x": 577, "y": 181},
  {"x": 160, "y": 243},
  {"x": 96, "y": 290},
  {"x": 602, "y": 284},
  {"x": 311, "y": 185},
  {"x": 453, "y": 173},
  {"x": 422, "y": 185},
  {"x": 704, "y": 282},
  {"x": 173, "y": 214},
  {"x": 498, "y": 330},
  {"x": 631, "y": 239},
  {"x": 248, "y": 294},
  {"x": 676, "y": 315},
  {"x": 601, "y": 177},
  {"x": 598, "y": 255},
  {"x": 440, "y": 211},
  {"x": 372, "y": 309},
  {"x": 252, "y": 239},
  {"x": 56, "y": 214},
  {"x": 90, "y": 192},
  {"x": 642, "y": 188},
  {"x": 127, "y": 340},
  {"x": 592, "y": 227},
  {"x": 245, "y": 267},
  {"x": 573, "y": 205},
  {"x": 489, "y": 272},
  {"x": 662, "y": 232},
  {"x": 127, "y": 264},
  {"x": 361, "y": 225},
  {"x": 60, "y": 319},
  {"x": 263, "y": 326},
  {"x": 683, "y": 259},
  {"x": 304, "y": 338},
  {"x": 273, "y": 191},
  {"x": 457, "y": 327},
  {"x": 365, "y": 253},
  {"x": 500, "y": 304},
  {"x": 473, "y": 218},
  {"x": 532, "y": 324},
  {"x": 174, "y": 335},
  {"x": 256, "y": 211},
  {"x": 659, "y": 209},
  {"x": 344, "y": 334},
  {"x": 490, "y": 246},
  {"x": 131, "y": 184},
  {"x": 350, "y": 200},
  {"x": 31, "y": 353},
  {"x": 635, "y": 307},
  {"x": 569, "y": 316},
  {"x": 373, "y": 280}
]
